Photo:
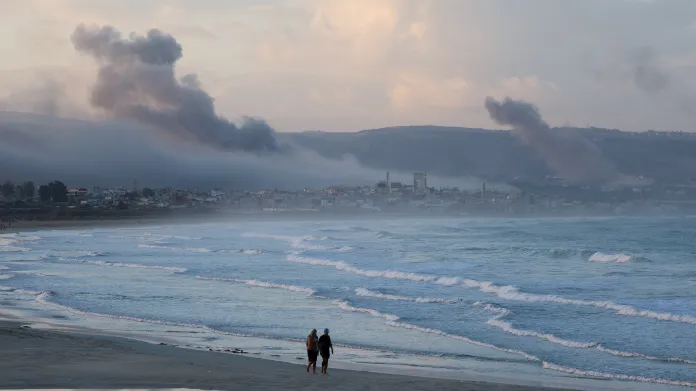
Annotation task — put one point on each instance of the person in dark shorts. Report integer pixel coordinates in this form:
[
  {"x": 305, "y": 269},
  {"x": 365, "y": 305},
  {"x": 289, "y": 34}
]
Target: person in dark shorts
[
  {"x": 326, "y": 350},
  {"x": 312, "y": 350}
]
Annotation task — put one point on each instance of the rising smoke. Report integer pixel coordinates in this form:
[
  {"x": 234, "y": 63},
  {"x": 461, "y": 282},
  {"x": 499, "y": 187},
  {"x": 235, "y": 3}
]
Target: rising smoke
[
  {"x": 569, "y": 154},
  {"x": 137, "y": 81}
]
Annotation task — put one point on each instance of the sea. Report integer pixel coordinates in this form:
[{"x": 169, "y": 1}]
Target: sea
[{"x": 590, "y": 303}]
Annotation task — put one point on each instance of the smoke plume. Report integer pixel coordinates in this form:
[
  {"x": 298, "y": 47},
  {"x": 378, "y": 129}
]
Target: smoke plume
[
  {"x": 137, "y": 81},
  {"x": 569, "y": 154}
]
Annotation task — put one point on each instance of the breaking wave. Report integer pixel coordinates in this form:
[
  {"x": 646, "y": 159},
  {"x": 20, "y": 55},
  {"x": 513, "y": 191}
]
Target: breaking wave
[
  {"x": 181, "y": 249},
  {"x": 507, "y": 292},
  {"x": 137, "y": 266},
  {"x": 368, "y": 293},
  {"x": 615, "y": 376},
  {"x": 617, "y": 258},
  {"x": 262, "y": 284},
  {"x": 302, "y": 242},
  {"x": 43, "y": 298},
  {"x": 393, "y": 321}
]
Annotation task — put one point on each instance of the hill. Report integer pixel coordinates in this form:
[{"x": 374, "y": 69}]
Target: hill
[{"x": 499, "y": 155}]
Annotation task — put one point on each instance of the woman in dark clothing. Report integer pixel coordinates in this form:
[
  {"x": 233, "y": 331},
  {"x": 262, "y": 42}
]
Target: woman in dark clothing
[
  {"x": 312, "y": 350},
  {"x": 325, "y": 349}
]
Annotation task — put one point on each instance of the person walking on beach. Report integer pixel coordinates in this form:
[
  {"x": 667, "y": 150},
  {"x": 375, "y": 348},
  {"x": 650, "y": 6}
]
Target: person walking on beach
[
  {"x": 312, "y": 350},
  {"x": 326, "y": 350}
]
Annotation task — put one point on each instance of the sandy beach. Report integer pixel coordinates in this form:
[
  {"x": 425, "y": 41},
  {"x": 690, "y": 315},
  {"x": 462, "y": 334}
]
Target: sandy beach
[{"x": 51, "y": 359}]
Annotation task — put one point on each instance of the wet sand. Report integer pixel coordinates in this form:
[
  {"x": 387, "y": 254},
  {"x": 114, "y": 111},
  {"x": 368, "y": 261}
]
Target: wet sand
[{"x": 35, "y": 358}]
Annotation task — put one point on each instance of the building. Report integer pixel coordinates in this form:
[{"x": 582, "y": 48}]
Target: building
[{"x": 420, "y": 181}]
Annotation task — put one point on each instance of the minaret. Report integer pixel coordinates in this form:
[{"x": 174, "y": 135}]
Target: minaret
[
  {"x": 388, "y": 183},
  {"x": 135, "y": 185}
]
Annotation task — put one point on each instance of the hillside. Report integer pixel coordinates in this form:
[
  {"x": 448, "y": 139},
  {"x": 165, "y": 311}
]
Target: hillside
[{"x": 499, "y": 155}]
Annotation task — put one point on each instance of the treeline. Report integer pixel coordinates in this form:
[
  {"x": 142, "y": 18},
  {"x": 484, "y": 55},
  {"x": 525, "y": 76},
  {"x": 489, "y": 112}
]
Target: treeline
[{"x": 55, "y": 191}]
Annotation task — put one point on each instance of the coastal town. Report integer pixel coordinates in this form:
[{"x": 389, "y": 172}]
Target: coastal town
[{"x": 56, "y": 201}]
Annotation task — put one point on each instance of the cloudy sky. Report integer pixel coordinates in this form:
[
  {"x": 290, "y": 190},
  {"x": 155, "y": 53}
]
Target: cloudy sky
[{"x": 343, "y": 65}]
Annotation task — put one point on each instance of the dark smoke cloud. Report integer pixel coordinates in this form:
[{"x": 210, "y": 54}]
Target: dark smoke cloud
[
  {"x": 137, "y": 81},
  {"x": 568, "y": 153}
]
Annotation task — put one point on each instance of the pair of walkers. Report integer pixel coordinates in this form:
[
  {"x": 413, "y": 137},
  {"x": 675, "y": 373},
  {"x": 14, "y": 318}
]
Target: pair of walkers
[{"x": 319, "y": 345}]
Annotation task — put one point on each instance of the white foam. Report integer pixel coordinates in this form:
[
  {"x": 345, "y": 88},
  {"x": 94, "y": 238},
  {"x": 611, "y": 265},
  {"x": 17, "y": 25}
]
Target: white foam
[
  {"x": 3, "y": 267},
  {"x": 20, "y": 291},
  {"x": 369, "y": 293},
  {"x": 182, "y": 249},
  {"x": 137, "y": 266},
  {"x": 617, "y": 258},
  {"x": 262, "y": 284},
  {"x": 13, "y": 249},
  {"x": 507, "y": 292},
  {"x": 615, "y": 376},
  {"x": 392, "y": 274},
  {"x": 79, "y": 253},
  {"x": 7, "y": 242},
  {"x": 6, "y": 276},
  {"x": 644, "y": 356},
  {"x": 302, "y": 242},
  {"x": 163, "y": 237},
  {"x": 251, "y": 252}
]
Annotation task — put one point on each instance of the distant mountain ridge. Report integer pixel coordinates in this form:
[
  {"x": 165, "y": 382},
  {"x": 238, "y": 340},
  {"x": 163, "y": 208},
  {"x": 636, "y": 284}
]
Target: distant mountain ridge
[{"x": 498, "y": 154}]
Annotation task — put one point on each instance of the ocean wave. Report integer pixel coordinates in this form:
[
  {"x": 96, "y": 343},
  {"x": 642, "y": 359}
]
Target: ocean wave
[
  {"x": 19, "y": 291},
  {"x": 605, "y": 257},
  {"x": 393, "y": 321},
  {"x": 386, "y": 234},
  {"x": 497, "y": 321},
  {"x": 3, "y": 267},
  {"x": 147, "y": 235},
  {"x": 506, "y": 292},
  {"x": 250, "y": 252},
  {"x": 302, "y": 242},
  {"x": 615, "y": 376},
  {"x": 136, "y": 266},
  {"x": 13, "y": 249},
  {"x": 620, "y": 353},
  {"x": 44, "y": 297},
  {"x": 569, "y": 252},
  {"x": 6, "y": 276},
  {"x": 7, "y": 242},
  {"x": 369, "y": 293},
  {"x": 262, "y": 284},
  {"x": 181, "y": 249},
  {"x": 393, "y": 274},
  {"x": 76, "y": 253}
]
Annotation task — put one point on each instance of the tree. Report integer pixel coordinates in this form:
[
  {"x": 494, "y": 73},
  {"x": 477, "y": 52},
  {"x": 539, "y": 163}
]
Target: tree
[
  {"x": 148, "y": 192},
  {"x": 44, "y": 193},
  {"x": 58, "y": 191},
  {"x": 7, "y": 189},
  {"x": 28, "y": 189}
]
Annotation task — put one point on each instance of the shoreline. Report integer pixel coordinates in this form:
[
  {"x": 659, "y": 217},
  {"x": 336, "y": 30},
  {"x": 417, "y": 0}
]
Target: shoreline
[
  {"x": 236, "y": 217},
  {"x": 79, "y": 359}
]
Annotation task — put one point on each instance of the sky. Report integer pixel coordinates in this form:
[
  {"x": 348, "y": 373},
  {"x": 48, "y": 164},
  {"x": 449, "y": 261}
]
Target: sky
[{"x": 348, "y": 65}]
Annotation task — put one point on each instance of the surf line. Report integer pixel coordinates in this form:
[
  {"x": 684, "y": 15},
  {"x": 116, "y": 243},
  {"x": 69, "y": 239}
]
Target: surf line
[{"x": 506, "y": 292}]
